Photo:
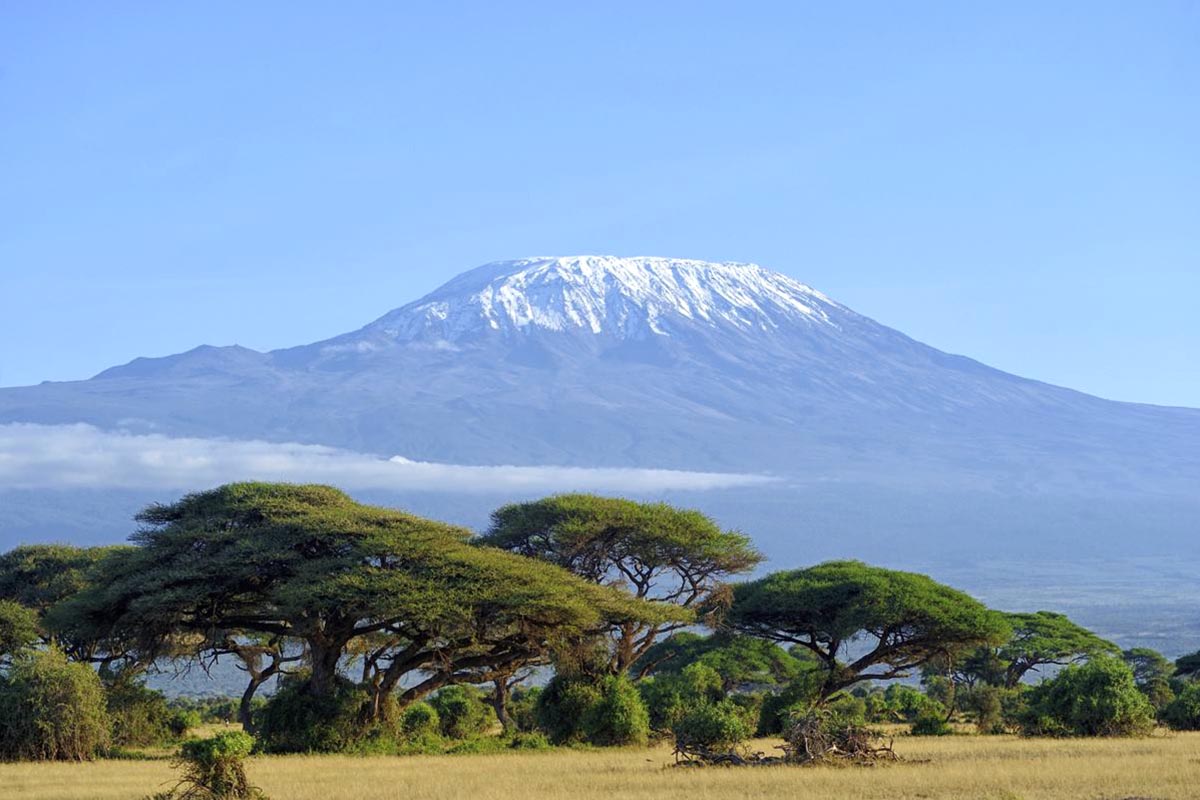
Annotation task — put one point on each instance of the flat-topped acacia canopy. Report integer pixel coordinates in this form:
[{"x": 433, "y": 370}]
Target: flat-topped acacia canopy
[
  {"x": 906, "y": 618},
  {"x": 308, "y": 562}
]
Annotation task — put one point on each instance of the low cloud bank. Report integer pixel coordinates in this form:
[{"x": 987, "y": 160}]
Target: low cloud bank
[{"x": 82, "y": 456}]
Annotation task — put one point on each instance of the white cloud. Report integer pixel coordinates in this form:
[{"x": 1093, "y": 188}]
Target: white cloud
[{"x": 82, "y": 456}]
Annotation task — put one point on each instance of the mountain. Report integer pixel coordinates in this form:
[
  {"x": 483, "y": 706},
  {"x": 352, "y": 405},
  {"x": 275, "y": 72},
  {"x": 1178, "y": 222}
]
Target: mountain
[{"x": 650, "y": 362}]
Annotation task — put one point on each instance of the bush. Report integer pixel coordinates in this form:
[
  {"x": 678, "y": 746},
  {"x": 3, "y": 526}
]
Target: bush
[
  {"x": 930, "y": 723},
  {"x": 799, "y": 695},
  {"x": 712, "y": 726},
  {"x": 183, "y": 720},
  {"x": 419, "y": 721},
  {"x": 294, "y": 721},
  {"x": 562, "y": 705},
  {"x": 462, "y": 712},
  {"x": 522, "y": 708},
  {"x": 907, "y": 704},
  {"x": 528, "y": 741},
  {"x": 620, "y": 716},
  {"x": 52, "y": 709},
  {"x": 1098, "y": 698},
  {"x": 140, "y": 716},
  {"x": 214, "y": 768},
  {"x": 667, "y": 697},
  {"x": 1183, "y": 713}
]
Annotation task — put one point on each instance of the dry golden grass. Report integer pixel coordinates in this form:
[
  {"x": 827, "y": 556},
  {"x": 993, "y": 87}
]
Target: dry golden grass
[{"x": 952, "y": 768}]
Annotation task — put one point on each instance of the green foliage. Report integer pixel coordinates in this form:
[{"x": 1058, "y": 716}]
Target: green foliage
[
  {"x": 51, "y": 709},
  {"x": 462, "y": 712},
  {"x": 419, "y": 722},
  {"x": 1188, "y": 666},
  {"x": 183, "y": 720},
  {"x": 906, "y": 703},
  {"x": 309, "y": 563},
  {"x": 562, "y": 705},
  {"x": 522, "y": 708},
  {"x": 528, "y": 740},
  {"x": 18, "y": 629},
  {"x": 739, "y": 660},
  {"x": 677, "y": 558},
  {"x": 801, "y": 694},
  {"x": 620, "y": 716},
  {"x": 140, "y": 716},
  {"x": 41, "y": 575},
  {"x": 1043, "y": 638},
  {"x": 1183, "y": 713},
  {"x": 295, "y": 720},
  {"x": 667, "y": 697},
  {"x": 995, "y": 709},
  {"x": 908, "y": 619},
  {"x": 930, "y": 723},
  {"x": 1098, "y": 698},
  {"x": 214, "y": 768},
  {"x": 713, "y": 726}
]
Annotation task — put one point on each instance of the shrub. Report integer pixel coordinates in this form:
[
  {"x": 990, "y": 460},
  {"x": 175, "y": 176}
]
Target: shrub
[
  {"x": 907, "y": 704},
  {"x": 528, "y": 741},
  {"x": 140, "y": 716},
  {"x": 930, "y": 723},
  {"x": 51, "y": 709},
  {"x": 462, "y": 712},
  {"x": 294, "y": 721},
  {"x": 214, "y": 768},
  {"x": 1183, "y": 713},
  {"x": 183, "y": 720},
  {"x": 1098, "y": 698},
  {"x": 562, "y": 705},
  {"x": 620, "y": 716},
  {"x": 522, "y": 708},
  {"x": 798, "y": 695},
  {"x": 667, "y": 697},
  {"x": 712, "y": 726},
  {"x": 419, "y": 721},
  {"x": 986, "y": 704}
]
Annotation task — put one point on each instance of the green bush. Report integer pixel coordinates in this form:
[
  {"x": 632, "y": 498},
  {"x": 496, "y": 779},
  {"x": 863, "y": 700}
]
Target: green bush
[
  {"x": 907, "y": 704},
  {"x": 930, "y": 723},
  {"x": 51, "y": 709},
  {"x": 140, "y": 716},
  {"x": 528, "y": 741},
  {"x": 562, "y": 705},
  {"x": 1183, "y": 713},
  {"x": 183, "y": 720},
  {"x": 214, "y": 768},
  {"x": 419, "y": 721},
  {"x": 1098, "y": 698},
  {"x": 462, "y": 712},
  {"x": 294, "y": 721},
  {"x": 620, "y": 716},
  {"x": 712, "y": 726},
  {"x": 798, "y": 695},
  {"x": 668, "y": 696},
  {"x": 522, "y": 708}
]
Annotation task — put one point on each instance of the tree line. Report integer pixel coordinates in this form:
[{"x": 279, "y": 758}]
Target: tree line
[{"x": 389, "y": 632}]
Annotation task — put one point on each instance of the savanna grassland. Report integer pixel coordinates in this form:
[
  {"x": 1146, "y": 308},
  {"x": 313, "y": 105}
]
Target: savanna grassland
[{"x": 1163, "y": 767}]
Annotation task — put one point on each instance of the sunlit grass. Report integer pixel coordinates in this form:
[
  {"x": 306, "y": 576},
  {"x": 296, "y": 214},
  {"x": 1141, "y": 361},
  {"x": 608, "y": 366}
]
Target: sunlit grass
[{"x": 958, "y": 767}]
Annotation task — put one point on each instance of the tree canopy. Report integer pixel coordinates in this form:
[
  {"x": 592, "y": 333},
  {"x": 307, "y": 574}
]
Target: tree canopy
[
  {"x": 308, "y": 563},
  {"x": 1044, "y": 638},
  {"x": 907, "y": 619},
  {"x": 662, "y": 554},
  {"x": 738, "y": 660}
]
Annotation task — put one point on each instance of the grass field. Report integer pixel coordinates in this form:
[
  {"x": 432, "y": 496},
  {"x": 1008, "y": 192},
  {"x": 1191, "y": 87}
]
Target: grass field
[{"x": 958, "y": 768}]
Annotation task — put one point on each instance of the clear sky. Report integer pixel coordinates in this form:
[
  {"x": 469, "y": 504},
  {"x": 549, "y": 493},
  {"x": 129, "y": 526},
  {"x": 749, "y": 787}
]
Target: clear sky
[{"x": 1018, "y": 182}]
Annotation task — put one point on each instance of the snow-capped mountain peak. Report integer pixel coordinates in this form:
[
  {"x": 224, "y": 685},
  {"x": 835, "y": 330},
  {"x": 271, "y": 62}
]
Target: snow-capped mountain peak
[{"x": 608, "y": 296}]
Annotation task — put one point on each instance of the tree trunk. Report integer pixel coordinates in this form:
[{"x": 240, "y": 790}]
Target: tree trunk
[
  {"x": 500, "y": 697},
  {"x": 324, "y": 657},
  {"x": 244, "y": 715}
]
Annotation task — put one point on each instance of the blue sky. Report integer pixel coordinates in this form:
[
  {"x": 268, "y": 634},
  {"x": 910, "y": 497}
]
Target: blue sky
[{"x": 1019, "y": 182}]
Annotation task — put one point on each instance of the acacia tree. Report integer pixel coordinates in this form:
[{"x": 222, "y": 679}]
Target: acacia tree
[
  {"x": 1046, "y": 638},
  {"x": 1188, "y": 666},
  {"x": 907, "y": 619},
  {"x": 665, "y": 555},
  {"x": 738, "y": 660},
  {"x": 309, "y": 564}
]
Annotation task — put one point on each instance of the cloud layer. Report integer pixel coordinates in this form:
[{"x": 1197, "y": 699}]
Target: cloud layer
[{"x": 82, "y": 456}]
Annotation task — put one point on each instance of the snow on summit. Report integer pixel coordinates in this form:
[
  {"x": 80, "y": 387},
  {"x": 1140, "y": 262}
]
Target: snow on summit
[{"x": 607, "y": 295}]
